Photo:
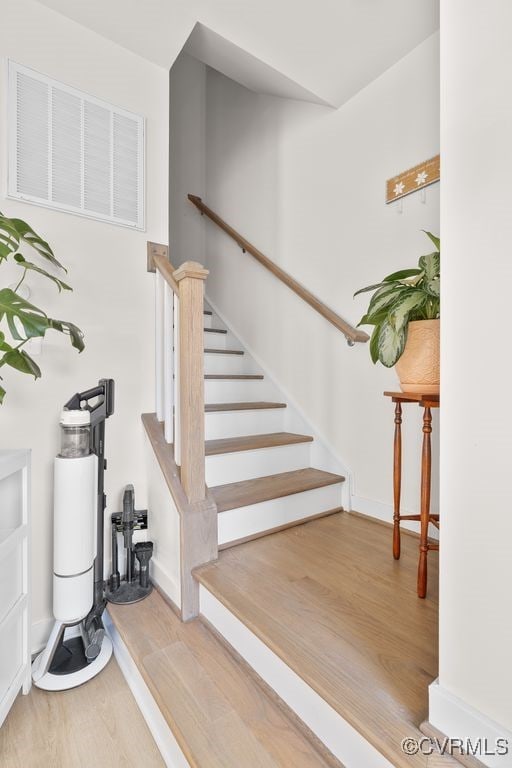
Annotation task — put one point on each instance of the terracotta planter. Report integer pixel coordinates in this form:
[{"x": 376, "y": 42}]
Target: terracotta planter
[{"x": 418, "y": 368}]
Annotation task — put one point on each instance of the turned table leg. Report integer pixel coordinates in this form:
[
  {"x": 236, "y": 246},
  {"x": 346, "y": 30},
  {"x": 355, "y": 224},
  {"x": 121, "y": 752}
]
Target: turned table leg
[
  {"x": 426, "y": 470},
  {"x": 397, "y": 479}
]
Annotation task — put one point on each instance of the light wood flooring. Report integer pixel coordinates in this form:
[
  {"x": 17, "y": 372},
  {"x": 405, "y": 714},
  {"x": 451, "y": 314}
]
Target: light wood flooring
[
  {"x": 218, "y": 712},
  {"x": 97, "y": 725},
  {"x": 344, "y": 616}
]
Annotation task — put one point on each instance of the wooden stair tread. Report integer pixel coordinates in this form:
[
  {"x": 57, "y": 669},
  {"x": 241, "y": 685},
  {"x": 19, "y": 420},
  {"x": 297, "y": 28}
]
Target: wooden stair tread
[
  {"x": 256, "y": 406},
  {"x": 253, "y": 442},
  {"x": 234, "y": 376},
  {"x": 224, "y": 352},
  {"x": 329, "y": 600},
  {"x": 219, "y": 714},
  {"x": 246, "y": 492},
  {"x": 214, "y": 330}
]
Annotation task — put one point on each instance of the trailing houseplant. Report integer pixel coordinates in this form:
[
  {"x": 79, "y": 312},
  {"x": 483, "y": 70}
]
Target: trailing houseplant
[
  {"x": 404, "y": 311},
  {"x": 22, "y": 320}
]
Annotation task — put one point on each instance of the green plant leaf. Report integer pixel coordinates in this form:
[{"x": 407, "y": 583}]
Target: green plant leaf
[
  {"x": 399, "y": 313},
  {"x": 69, "y": 329},
  {"x": 375, "y": 319},
  {"x": 9, "y": 238},
  {"x": 28, "y": 235},
  {"x": 435, "y": 240},
  {"x": 21, "y": 361},
  {"x": 434, "y": 286},
  {"x": 374, "y": 344},
  {"x": 34, "y": 268},
  {"x": 369, "y": 288},
  {"x": 4, "y": 346},
  {"x": 431, "y": 265},
  {"x": 34, "y": 321},
  {"x": 391, "y": 344},
  {"x": 23, "y": 319},
  {"x": 402, "y": 274},
  {"x": 385, "y": 297}
]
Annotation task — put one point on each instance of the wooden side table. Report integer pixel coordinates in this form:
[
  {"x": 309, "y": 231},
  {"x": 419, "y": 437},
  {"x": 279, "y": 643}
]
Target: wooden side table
[{"x": 427, "y": 402}]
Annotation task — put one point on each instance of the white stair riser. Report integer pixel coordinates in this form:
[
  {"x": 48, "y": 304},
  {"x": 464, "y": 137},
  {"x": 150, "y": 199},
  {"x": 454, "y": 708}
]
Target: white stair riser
[
  {"x": 228, "y": 364},
  {"x": 237, "y": 391},
  {"x": 207, "y": 321},
  {"x": 236, "y": 524},
  {"x": 238, "y": 423},
  {"x": 246, "y": 465},
  {"x": 214, "y": 340}
]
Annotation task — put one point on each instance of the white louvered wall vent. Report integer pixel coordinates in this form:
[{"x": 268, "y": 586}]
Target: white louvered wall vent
[{"x": 73, "y": 152}]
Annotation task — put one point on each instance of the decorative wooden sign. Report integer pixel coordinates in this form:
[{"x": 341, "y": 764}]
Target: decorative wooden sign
[{"x": 420, "y": 176}]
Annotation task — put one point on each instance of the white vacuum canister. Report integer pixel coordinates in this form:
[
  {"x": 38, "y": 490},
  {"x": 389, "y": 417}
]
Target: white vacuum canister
[{"x": 74, "y": 525}]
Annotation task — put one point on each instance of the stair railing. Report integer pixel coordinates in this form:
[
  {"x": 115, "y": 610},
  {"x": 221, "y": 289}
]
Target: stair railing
[
  {"x": 179, "y": 360},
  {"x": 351, "y": 334}
]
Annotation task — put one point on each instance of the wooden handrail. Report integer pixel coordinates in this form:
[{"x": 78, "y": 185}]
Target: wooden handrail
[
  {"x": 167, "y": 271},
  {"x": 351, "y": 334}
]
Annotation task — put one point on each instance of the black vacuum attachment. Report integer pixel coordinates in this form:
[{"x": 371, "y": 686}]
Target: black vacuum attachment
[{"x": 136, "y": 585}]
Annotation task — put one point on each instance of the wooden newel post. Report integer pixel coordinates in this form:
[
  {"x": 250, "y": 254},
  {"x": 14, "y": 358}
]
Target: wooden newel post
[{"x": 190, "y": 278}]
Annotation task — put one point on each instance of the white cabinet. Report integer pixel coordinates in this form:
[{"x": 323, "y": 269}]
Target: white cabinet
[{"x": 14, "y": 577}]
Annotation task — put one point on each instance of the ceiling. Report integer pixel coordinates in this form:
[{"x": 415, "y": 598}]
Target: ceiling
[
  {"x": 237, "y": 64},
  {"x": 325, "y": 50}
]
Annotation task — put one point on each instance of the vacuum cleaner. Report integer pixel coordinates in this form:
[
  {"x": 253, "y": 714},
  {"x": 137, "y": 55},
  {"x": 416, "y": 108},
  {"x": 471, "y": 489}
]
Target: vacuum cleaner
[
  {"x": 136, "y": 584},
  {"x": 78, "y": 647}
]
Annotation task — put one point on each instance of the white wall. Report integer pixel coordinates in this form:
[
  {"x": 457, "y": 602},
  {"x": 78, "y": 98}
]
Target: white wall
[
  {"x": 476, "y": 447},
  {"x": 113, "y": 295},
  {"x": 187, "y": 158},
  {"x": 306, "y": 185}
]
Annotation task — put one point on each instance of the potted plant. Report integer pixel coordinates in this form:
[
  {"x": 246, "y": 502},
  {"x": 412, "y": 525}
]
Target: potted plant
[
  {"x": 404, "y": 311},
  {"x": 24, "y": 321}
]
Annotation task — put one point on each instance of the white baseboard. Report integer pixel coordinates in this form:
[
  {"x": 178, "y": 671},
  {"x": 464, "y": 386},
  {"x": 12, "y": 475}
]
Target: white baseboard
[
  {"x": 458, "y": 720},
  {"x": 171, "y": 753},
  {"x": 164, "y": 581},
  {"x": 382, "y": 511},
  {"x": 338, "y": 736}
]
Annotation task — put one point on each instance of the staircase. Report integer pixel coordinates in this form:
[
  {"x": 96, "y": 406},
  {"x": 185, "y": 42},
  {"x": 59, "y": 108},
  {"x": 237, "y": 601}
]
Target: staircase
[
  {"x": 293, "y": 646},
  {"x": 258, "y": 470}
]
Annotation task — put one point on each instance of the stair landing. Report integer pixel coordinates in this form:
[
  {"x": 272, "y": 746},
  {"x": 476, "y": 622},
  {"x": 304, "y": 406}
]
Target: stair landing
[{"x": 330, "y": 601}]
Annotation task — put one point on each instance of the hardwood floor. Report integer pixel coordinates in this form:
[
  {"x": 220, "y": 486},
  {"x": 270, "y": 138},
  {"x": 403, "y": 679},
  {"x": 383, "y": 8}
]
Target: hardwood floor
[
  {"x": 344, "y": 616},
  {"x": 219, "y": 714},
  {"x": 97, "y": 725}
]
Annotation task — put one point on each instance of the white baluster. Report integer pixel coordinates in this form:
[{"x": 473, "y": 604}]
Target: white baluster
[
  {"x": 159, "y": 341},
  {"x": 168, "y": 365},
  {"x": 177, "y": 409}
]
